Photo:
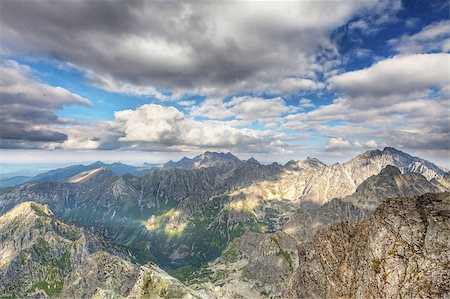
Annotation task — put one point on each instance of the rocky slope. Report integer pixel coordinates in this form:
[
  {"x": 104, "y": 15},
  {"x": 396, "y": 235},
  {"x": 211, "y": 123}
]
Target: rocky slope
[
  {"x": 207, "y": 159},
  {"x": 232, "y": 267},
  {"x": 390, "y": 183},
  {"x": 313, "y": 181},
  {"x": 43, "y": 256},
  {"x": 402, "y": 251},
  {"x": 181, "y": 217}
]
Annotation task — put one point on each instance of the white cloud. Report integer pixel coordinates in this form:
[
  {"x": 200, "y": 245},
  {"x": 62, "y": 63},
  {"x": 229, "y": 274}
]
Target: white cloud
[
  {"x": 305, "y": 103},
  {"x": 433, "y": 37},
  {"x": 244, "y": 108},
  {"x": 338, "y": 144},
  {"x": 155, "y": 125},
  {"x": 401, "y": 101},
  {"x": 397, "y": 76}
]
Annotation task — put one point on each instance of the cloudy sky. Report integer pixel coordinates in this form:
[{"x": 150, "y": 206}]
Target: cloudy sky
[{"x": 153, "y": 80}]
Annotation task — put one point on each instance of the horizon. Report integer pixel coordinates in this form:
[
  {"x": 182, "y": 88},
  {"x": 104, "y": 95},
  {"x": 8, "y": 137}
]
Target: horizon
[
  {"x": 31, "y": 169},
  {"x": 151, "y": 82}
]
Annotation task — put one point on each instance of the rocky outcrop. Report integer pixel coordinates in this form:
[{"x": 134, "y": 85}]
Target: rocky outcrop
[
  {"x": 402, "y": 251},
  {"x": 207, "y": 159},
  {"x": 390, "y": 183},
  {"x": 254, "y": 265},
  {"x": 304, "y": 224},
  {"x": 171, "y": 215},
  {"x": 42, "y": 256}
]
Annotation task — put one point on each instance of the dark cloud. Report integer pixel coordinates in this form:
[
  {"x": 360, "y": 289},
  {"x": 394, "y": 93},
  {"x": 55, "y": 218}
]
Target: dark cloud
[
  {"x": 27, "y": 108},
  {"x": 209, "y": 47}
]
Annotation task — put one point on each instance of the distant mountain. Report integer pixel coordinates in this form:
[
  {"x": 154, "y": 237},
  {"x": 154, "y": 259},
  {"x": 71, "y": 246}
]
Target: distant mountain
[
  {"x": 391, "y": 183},
  {"x": 62, "y": 174},
  {"x": 312, "y": 181},
  {"x": 42, "y": 256},
  {"x": 375, "y": 160},
  {"x": 187, "y": 217},
  {"x": 206, "y": 159},
  {"x": 401, "y": 252},
  {"x": 13, "y": 181}
]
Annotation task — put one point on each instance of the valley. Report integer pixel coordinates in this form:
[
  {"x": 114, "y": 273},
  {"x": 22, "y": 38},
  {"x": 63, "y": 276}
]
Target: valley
[{"x": 227, "y": 228}]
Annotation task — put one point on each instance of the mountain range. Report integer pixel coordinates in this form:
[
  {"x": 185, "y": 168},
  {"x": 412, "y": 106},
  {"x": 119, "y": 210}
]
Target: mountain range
[{"x": 228, "y": 228}]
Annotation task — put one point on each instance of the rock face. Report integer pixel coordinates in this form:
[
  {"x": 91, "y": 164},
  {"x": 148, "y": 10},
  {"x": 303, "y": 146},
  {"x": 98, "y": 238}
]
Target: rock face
[
  {"x": 254, "y": 265},
  {"x": 42, "y": 256},
  {"x": 207, "y": 159},
  {"x": 304, "y": 224},
  {"x": 313, "y": 181},
  {"x": 390, "y": 182},
  {"x": 402, "y": 251},
  {"x": 216, "y": 194}
]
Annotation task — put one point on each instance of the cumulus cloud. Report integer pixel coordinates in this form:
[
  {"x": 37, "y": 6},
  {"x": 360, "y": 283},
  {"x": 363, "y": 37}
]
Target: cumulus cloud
[
  {"x": 338, "y": 144},
  {"x": 28, "y": 108},
  {"x": 244, "y": 108},
  {"x": 397, "y": 76},
  {"x": 341, "y": 144},
  {"x": 156, "y": 125},
  {"x": 402, "y": 101},
  {"x": 433, "y": 37},
  {"x": 216, "y": 48}
]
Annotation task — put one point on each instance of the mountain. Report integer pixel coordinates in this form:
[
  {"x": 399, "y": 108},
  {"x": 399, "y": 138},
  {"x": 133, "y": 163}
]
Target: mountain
[
  {"x": 375, "y": 160},
  {"x": 42, "y": 256},
  {"x": 13, "y": 181},
  {"x": 257, "y": 265},
  {"x": 164, "y": 209},
  {"x": 402, "y": 251},
  {"x": 311, "y": 181},
  {"x": 391, "y": 183},
  {"x": 206, "y": 159},
  {"x": 62, "y": 174},
  {"x": 184, "y": 218}
]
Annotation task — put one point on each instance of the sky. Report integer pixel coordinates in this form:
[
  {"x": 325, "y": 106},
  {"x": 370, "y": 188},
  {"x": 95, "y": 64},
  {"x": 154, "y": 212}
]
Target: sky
[{"x": 137, "y": 81}]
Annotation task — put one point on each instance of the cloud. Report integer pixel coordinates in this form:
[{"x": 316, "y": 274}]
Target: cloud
[
  {"x": 155, "y": 125},
  {"x": 246, "y": 108},
  {"x": 338, "y": 144},
  {"x": 401, "y": 101},
  {"x": 28, "y": 108},
  {"x": 396, "y": 76},
  {"x": 166, "y": 48},
  {"x": 434, "y": 37},
  {"x": 305, "y": 103},
  {"x": 368, "y": 144}
]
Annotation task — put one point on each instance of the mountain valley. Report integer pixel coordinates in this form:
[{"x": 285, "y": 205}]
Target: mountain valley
[{"x": 225, "y": 227}]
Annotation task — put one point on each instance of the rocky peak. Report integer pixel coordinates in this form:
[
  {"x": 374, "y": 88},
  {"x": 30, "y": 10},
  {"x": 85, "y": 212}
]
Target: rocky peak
[
  {"x": 373, "y": 161},
  {"x": 308, "y": 163},
  {"x": 252, "y": 161},
  {"x": 390, "y": 170},
  {"x": 207, "y": 159},
  {"x": 390, "y": 182},
  {"x": 88, "y": 175},
  {"x": 401, "y": 252}
]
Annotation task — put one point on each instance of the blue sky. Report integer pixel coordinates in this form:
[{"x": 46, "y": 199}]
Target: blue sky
[{"x": 279, "y": 80}]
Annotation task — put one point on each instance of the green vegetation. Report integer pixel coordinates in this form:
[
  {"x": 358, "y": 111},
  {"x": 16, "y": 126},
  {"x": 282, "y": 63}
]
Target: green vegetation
[
  {"x": 39, "y": 210},
  {"x": 190, "y": 275},
  {"x": 286, "y": 255},
  {"x": 8, "y": 231},
  {"x": 376, "y": 266},
  {"x": 50, "y": 288},
  {"x": 231, "y": 254}
]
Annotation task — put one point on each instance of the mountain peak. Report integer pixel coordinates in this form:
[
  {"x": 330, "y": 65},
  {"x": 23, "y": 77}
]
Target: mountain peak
[
  {"x": 390, "y": 170},
  {"x": 252, "y": 161},
  {"x": 206, "y": 159},
  {"x": 87, "y": 175}
]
